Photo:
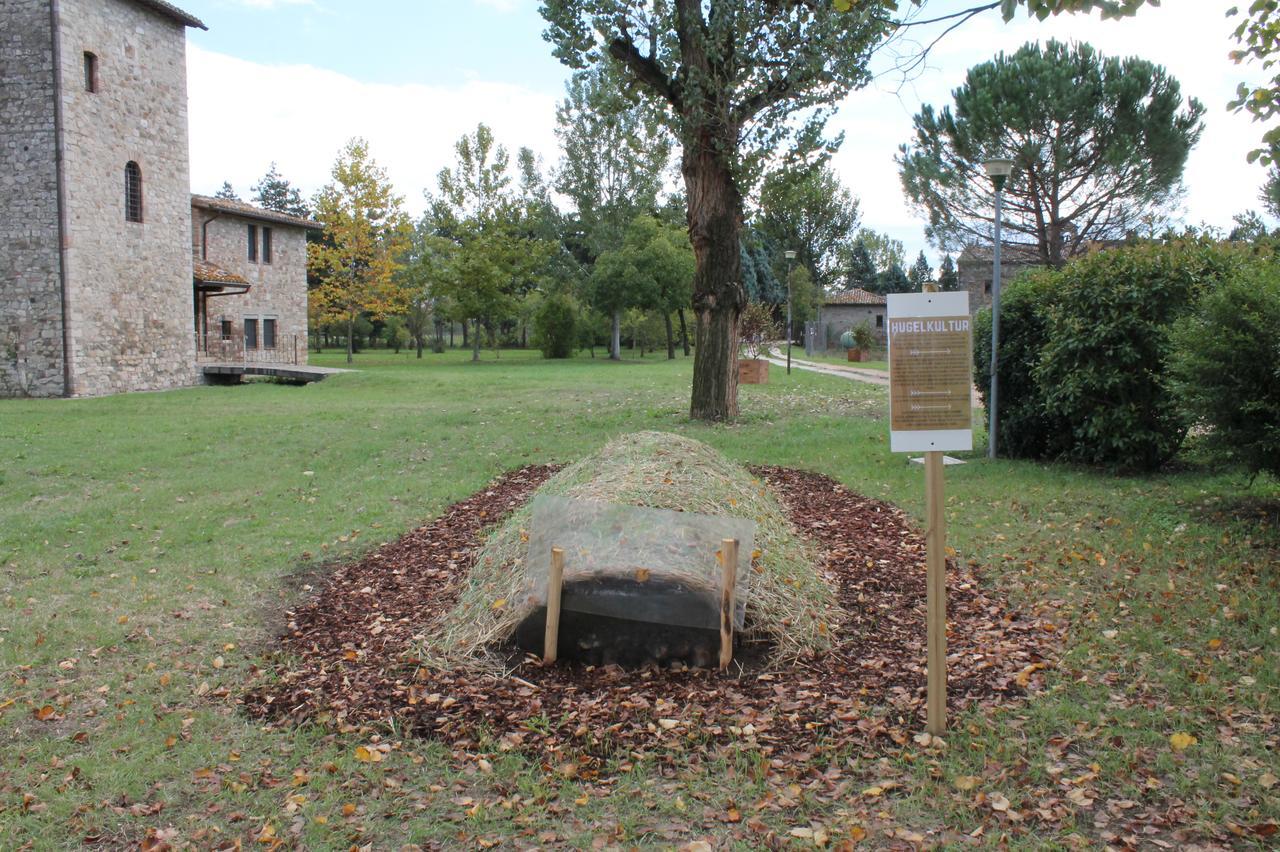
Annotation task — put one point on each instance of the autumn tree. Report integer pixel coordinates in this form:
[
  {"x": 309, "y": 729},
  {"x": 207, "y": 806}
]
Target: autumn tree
[
  {"x": 736, "y": 82},
  {"x": 365, "y": 233},
  {"x": 807, "y": 210},
  {"x": 1098, "y": 145}
]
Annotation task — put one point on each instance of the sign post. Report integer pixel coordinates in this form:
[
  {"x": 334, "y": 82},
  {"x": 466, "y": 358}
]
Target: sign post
[{"x": 931, "y": 411}]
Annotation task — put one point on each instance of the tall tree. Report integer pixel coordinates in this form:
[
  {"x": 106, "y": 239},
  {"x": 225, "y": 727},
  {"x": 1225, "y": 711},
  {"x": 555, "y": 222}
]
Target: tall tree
[
  {"x": 859, "y": 266},
  {"x": 275, "y": 193},
  {"x": 495, "y": 227},
  {"x": 921, "y": 272},
  {"x": 892, "y": 279},
  {"x": 365, "y": 234},
  {"x": 1098, "y": 144},
  {"x": 227, "y": 191},
  {"x": 807, "y": 210},
  {"x": 948, "y": 276},
  {"x": 736, "y": 82},
  {"x": 887, "y": 258},
  {"x": 614, "y": 153}
]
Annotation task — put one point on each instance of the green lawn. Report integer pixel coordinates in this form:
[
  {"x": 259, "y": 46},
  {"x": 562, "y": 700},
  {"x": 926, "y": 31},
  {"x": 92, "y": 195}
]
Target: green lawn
[{"x": 150, "y": 543}]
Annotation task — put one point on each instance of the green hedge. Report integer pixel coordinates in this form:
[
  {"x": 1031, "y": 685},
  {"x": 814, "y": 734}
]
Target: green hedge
[
  {"x": 1085, "y": 352},
  {"x": 1226, "y": 368}
]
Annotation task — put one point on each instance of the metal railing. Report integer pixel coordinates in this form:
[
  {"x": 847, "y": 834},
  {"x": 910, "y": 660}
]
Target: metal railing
[{"x": 213, "y": 348}]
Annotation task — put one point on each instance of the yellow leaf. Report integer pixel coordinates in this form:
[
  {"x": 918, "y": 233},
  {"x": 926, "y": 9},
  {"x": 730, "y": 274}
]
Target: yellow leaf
[
  {"x": 642, "y": 575},
  {"x": 499, "y": 603},
  {"x": 1267, "y": 781},
  {"x": 348, "y": 809},
  {"x": 1215, "y": 644},
  {"x": 857, "y": 834},
  {"x": 1181, "y": 741},
  {"x": 966, "y": 782},
  {"x": 366, "y": 755}
]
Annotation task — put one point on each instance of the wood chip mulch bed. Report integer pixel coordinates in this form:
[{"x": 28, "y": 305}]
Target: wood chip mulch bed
[{"x": 347, "y": 655}]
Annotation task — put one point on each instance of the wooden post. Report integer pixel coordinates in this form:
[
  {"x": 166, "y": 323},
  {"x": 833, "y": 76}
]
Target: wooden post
[
  {"x": 936, "y": 581},
  {"x": 555, "y": 582},
  {"x": 728, "y": 580}
]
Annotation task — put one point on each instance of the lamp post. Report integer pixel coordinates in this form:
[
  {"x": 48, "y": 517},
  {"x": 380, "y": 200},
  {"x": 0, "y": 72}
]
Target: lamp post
[
  {"x": 998, "y": 170},
  {"x": 791, "y": 262}
]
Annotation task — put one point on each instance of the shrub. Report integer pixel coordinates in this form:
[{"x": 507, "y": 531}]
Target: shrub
[
  {"x": 756, "y": 328},
  {"x": 1226, "y": 368},
  {"x": 1026, "y": 430},
  {"x": 1103, "y": 370},
  {"x": 554, "y": 326}
]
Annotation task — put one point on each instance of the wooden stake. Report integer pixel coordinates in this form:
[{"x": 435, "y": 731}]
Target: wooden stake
[
  {"x": 555, "y": 581},
  {"x": 728, "y": 580},
  {"x": 936, "y": 581}
]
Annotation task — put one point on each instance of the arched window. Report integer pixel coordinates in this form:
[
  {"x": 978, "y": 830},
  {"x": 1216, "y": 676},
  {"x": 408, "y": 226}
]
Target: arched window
[{"x": 132, "y": 192}]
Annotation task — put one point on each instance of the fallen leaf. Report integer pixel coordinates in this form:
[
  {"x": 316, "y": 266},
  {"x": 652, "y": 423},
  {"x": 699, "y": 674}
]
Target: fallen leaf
[{"x": 1181, "y": 741}]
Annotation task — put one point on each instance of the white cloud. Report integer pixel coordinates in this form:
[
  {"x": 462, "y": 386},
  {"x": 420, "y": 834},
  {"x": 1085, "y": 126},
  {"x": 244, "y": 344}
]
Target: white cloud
[
  {"x": 244, "y": 115},
  {"x": 501, "y": 5}
]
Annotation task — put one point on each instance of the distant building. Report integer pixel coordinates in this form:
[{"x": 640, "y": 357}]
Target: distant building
[
  {"x": 842, "y": 311},
  {"x": 99, "y": 292},
  {"x": 976, "y": 266},
  {"x": 250, "y": 274}
]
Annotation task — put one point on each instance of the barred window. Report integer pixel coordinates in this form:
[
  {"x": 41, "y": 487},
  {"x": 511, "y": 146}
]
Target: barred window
[
  {"x": 90, "y": 72},
  {"x": 132, "y": 192},
  {"x": 253, "y": 243}
]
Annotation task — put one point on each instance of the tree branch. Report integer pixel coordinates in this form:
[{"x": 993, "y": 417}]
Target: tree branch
[{"x": 645, "y": 68}]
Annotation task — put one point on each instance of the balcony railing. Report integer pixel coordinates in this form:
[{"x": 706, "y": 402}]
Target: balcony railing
[{"x": 232, "y": 350}]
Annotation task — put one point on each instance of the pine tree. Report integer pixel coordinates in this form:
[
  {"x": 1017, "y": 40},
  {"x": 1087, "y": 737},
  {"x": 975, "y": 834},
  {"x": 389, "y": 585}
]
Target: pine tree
[
  {"x": 227, "y": 192},
  {"x": 948, "y": 277},
  {"x": 275, "y": 193},
  {"x": 921, "y": 273}
]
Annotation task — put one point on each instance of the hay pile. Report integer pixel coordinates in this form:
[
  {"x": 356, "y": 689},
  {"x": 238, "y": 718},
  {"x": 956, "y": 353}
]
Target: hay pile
[{"x": 791, "y": 609}]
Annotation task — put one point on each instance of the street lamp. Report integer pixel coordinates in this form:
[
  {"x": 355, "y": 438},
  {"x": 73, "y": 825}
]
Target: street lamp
[
  {"x": 791, "y": 262},
  {"x": 998, "y": 170}
]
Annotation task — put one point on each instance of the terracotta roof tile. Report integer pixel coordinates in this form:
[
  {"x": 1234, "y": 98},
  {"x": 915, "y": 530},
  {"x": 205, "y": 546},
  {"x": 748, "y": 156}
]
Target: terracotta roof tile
[
  {"x": 208, "y": 272},
  {"x": 855, "y": 296},
  {"x": 251, "y": 211}
]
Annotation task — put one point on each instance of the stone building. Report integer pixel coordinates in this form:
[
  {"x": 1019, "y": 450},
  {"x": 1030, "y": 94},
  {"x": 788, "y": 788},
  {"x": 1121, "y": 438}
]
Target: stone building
[
  {"x": 975, "y": 268},
  {"x": 100, "y": 291},
  {"x": 842, "y": 311},
  {"x": 250, "y": 277}
]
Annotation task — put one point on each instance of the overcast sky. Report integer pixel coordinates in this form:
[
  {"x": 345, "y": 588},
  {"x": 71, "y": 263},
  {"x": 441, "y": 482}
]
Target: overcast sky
[{"x": 292, "y": 80}]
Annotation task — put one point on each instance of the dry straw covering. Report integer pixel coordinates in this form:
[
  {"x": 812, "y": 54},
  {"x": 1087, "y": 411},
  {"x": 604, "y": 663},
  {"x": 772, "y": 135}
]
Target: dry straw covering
[{"x": 791, "y": 607}]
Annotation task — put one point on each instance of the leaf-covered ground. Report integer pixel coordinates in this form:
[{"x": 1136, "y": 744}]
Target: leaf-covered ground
[{"x": 348, "y": 654}]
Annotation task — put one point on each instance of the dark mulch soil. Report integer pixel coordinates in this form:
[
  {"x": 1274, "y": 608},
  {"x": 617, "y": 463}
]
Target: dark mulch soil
[{"x": 347, "y": 658}]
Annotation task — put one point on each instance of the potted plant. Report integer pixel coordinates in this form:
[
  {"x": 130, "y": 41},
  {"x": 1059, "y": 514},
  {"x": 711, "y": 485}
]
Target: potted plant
[
  {"x": 858, "y": 341},
  {"x": 755, "y": 329}
]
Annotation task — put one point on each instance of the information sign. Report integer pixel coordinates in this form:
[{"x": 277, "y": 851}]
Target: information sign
[{"x": 930, "y": 372}]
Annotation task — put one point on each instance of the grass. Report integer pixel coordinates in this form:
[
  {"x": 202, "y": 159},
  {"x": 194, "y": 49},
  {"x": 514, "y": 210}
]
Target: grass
[{"x": 150, "y": 543}]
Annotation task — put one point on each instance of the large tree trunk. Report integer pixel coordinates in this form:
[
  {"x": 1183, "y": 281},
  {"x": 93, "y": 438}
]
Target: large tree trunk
[
  {"x": 615, "y": 341},
  {"x": 684, "y": 332},
  {"x": 715, "y": 222},
  {"x": 671, "y": 341}
]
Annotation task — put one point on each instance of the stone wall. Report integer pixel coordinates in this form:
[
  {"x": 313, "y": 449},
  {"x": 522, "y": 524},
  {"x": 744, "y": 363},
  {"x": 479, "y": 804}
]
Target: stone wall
[
  {"x": 30, "y": 288},
  {"x": 131, "y": 308},
  {"x": 976, "y": 276},
  {"x": 840, "y": 318},
  {"x": 277, "y": 289}
]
